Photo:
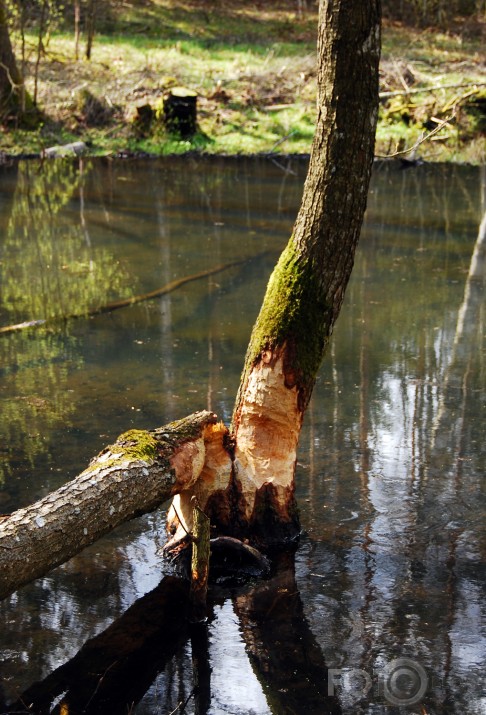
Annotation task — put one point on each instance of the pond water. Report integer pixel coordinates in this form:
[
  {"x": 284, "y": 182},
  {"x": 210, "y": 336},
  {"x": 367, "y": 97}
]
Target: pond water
[{"x": 382, "y": 607}]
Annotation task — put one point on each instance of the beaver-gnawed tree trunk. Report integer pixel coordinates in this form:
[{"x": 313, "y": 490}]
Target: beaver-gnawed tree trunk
[
  {"x": 243, "y": 480},
  {"x": 305, "y": 291}
]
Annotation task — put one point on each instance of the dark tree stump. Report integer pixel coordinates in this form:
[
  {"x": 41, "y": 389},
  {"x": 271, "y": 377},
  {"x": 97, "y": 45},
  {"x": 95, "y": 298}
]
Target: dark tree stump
[
  {"x": 144, "y": 117},
  {"x": 180, "y": 111}
]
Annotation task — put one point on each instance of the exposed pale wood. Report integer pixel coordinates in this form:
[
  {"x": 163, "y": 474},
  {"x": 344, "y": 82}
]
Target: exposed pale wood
[{"x": 134, "y": 476}]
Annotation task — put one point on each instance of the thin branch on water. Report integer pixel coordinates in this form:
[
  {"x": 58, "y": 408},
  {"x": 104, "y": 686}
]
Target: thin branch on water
[{"x": 126, "y": 302}]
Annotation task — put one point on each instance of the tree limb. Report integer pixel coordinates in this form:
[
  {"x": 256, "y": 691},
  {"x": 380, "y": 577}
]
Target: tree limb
[
  {"x": 130, "y": 478},
  {"x": 425, "y": 90},
  {"x": 420, "y": 141},
  {"x": 126, "y": 302}
]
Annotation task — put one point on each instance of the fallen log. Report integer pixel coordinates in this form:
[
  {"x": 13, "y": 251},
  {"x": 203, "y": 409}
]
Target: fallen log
[{"x": 134, "y": 476}]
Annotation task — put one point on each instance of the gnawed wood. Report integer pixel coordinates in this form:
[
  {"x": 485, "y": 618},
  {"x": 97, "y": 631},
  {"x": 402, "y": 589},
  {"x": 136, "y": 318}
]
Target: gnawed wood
[
  {"x": 251, "y": 496},
  {"x": 214, "y": 479},
  {"x": 131, "y": 477}
]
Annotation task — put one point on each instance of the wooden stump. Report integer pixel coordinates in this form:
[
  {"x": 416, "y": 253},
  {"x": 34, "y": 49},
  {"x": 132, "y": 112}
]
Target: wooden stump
[
  {"x": 180, "y": 111},
  {"x": 199, "y": 564}
]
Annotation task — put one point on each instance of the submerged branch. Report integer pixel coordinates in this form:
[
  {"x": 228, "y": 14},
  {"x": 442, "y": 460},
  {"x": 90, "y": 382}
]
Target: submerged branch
[{"x": 126, "y": 302}]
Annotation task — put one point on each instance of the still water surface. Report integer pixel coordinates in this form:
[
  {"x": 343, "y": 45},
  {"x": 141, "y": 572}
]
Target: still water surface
[{"x": 390, "y": 477}]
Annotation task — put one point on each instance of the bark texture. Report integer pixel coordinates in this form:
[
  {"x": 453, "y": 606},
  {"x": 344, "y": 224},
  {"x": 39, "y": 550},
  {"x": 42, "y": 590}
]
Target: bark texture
[
  {"x": 133, "y": 476},
  {"x": 306, "y": 290},
  {"x": 15, "y": 102},
  {"x": 10, "y": 79}
]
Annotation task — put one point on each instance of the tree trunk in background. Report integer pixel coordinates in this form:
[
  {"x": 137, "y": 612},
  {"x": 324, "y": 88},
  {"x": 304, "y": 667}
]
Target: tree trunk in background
[
  {"x": 90, "y": 27},
  {"x": 11, "y": 84},
  {"x": 77, "y": 20},
  {"x": 305, "y": 292},
  {"x": 15, "y": 101}
]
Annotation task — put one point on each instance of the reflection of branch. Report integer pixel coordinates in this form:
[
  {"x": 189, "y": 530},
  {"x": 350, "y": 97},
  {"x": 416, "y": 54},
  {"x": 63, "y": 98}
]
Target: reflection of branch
[
  {"x": 126, "y": 302},
  {"x": 114, "y": 669},
  {"x": 467, "y": 328}
]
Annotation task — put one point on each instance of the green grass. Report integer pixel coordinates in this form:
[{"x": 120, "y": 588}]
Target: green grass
[{"x": 254, "y": 72}]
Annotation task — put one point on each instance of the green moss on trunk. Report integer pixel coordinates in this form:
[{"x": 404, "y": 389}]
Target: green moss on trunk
[
  {"x": 295, "y": 317},
  {"x": 136, "y": 444}
]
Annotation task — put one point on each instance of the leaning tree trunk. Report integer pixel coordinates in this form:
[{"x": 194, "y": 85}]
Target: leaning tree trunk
[
  {"x": 305, "y": 292},
  {"x": 244, "y": 482},
  {"x": 10, "y": 78}
]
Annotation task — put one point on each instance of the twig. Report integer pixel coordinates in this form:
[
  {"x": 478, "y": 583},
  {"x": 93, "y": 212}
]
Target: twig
[
  {"x": 417, "y": 143},
  {"x": 180, "y": 521},
  {"x": 98, "y": 685},
  {"x": 126, "y": 302},
  {"x": 282, "y": 140},
  {"x": 424, "y": 90},
  {"x": 183, "y": 704}
]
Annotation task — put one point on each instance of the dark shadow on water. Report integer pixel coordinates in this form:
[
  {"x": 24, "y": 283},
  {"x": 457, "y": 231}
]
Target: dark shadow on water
[
  {"x": 283, "y": 650},
  {"x": 113, "y": 671}
]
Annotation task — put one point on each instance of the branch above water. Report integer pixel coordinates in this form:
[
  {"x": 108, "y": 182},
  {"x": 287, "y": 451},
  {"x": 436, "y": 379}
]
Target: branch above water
[{"x": 135, "y": 475}]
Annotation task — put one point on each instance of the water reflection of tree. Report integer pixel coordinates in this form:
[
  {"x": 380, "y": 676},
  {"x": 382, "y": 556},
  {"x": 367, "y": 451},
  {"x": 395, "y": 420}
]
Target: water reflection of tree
[
  {"x": 48, "y": 270},
  {"x": 408, "y": 554},
  {"x": 385, "y": 574}
]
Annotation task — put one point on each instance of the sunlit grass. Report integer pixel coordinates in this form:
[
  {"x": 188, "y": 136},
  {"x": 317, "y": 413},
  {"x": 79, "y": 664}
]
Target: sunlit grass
[{"x": 253, "y": 69}]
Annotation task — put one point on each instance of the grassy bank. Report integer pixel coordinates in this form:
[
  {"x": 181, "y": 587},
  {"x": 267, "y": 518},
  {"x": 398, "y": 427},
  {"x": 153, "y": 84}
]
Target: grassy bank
[{"x": 254, "y": 71}]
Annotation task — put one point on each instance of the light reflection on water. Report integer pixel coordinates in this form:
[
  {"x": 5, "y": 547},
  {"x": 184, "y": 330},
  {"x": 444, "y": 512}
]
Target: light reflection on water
[{"x": 390, "y": 475}]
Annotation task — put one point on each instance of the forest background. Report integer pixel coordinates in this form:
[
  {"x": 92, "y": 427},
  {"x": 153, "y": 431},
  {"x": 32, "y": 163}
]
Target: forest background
[{"x": 98, "y": 71}]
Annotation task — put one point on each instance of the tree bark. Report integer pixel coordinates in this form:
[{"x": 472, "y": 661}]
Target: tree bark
[
  {"x": 90, "y": 27},
  {"x": 11, "y": 85},
  {"x": 15, "y": 102},
  {"x": 133, "y": 476},
  {"x": 306, "y": 290},
  {"x": 243, "y": 482}
]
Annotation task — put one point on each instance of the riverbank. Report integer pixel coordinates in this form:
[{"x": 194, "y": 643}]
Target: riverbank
[{"x": 253, "y": 69}]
